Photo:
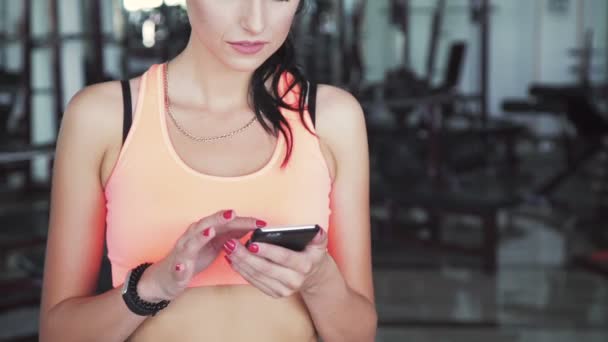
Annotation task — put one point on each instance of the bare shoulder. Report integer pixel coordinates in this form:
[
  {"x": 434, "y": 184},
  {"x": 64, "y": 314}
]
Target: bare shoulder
[
  {"x": 92, "y": 110},
  {"x": 97, "y": 107},
  {"x": 340, "y": 122},
  {"x": 338, "y": 105},
  {"x": 93, "y": 117}
]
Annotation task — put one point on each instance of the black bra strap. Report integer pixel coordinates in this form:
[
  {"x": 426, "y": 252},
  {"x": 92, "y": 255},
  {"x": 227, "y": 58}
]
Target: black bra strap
[
  {"x": 312, "y": 101},
  {"x": 127, "y": 110}
]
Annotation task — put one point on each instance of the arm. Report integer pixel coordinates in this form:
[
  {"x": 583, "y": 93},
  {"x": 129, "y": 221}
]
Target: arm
[
  {"x": 337, "y": 289},
  {"x": 342, "y": 303},
  {"x": 69, "y": 311}
]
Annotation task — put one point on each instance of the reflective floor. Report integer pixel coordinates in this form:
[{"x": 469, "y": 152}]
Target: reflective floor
[
  {"x": 532, "y": 298},
  {"x": 485, "y": 335}
]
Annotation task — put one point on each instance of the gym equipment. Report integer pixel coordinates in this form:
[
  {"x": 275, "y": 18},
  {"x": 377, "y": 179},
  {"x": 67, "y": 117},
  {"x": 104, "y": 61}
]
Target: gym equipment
[
  {"x": 415, "y": 166},
  {"x": 324, "y": 31},
  {"x": 353, "y": 68},
  {"x": 400, "y": 17},
  {"x": 436, "y": 27},
  {"x": 594, "y": 226},
  {"x": 22, "y": 241},
  {"x": 171, "y": 33},
  {"x": 22, "y": 207},
  {"x": 467, "y": 148},
  {"x": 400, "y": 80},
  {"x": 9, "y": 82},
  {"x": 402, "y": 182},
  {"x": 575, "y": 104},
  {"x": 17, "y": 135}
]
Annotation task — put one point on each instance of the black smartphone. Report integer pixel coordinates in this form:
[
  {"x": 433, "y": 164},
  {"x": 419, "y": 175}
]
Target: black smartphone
[{"x": 293, "y": 237}]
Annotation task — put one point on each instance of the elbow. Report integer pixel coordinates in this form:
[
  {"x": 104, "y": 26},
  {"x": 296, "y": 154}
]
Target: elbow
[
  {"x": 48, "y": 326},
  {"x": 367, "y": 322},
  {"x": 367, "y": 326},
  {"x": 45, "y": 333},
  {"x": 374, "y": 320},
  {"x": 362, "y": 328},
  {"x": 371, "y": 323}
]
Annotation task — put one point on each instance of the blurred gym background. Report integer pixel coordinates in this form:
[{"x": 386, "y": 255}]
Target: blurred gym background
[{"x": 488, "y": 132}]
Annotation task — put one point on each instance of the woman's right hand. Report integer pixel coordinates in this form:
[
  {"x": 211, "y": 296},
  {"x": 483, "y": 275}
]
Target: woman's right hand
[{"x": 194, "y": 251}]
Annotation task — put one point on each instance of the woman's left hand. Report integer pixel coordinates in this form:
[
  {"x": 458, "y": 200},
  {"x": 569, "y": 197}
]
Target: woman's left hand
[{"x": 277, "y": 271}]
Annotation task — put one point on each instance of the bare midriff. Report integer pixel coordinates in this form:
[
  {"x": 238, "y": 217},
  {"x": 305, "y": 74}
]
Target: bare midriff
[{"x": 229, "y": 313}]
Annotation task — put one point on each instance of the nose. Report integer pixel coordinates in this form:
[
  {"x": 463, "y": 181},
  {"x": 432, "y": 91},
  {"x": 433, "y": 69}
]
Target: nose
[{"x": 253, "y": 16}]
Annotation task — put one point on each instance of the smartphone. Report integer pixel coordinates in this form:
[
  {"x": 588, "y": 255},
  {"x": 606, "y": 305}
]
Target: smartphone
[{"x": 292, "y": 237}]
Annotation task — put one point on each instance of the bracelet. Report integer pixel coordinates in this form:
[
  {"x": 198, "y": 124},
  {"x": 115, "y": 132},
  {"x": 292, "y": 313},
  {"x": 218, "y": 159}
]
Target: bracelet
[{"x": 132, "y": 299}]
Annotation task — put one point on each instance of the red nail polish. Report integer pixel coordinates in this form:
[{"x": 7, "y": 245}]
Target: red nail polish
[
  {"x": 254, "y": 248},
  {"x": 179, "y": 267},
  {"x": 228, "y": 214},
  {"x": 229, "y": 246},
  {"x": 228, "y": 260},
  {"x": 207, "y": 231},
  {"x": 260, "y": 224}
]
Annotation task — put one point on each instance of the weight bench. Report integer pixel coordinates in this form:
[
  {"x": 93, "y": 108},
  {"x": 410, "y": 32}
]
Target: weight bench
[{"x": 436, "y": 203}]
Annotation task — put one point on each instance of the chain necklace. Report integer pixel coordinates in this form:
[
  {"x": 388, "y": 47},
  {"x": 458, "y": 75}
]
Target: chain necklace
[{"x": 184, "y": 131}]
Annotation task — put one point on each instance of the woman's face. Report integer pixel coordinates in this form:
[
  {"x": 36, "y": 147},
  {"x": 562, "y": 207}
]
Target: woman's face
[{"x": 227, "y": 28}]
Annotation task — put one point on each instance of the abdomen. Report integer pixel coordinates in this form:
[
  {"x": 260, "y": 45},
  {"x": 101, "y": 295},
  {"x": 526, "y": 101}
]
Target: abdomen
[{"x": 229, "y": 313}]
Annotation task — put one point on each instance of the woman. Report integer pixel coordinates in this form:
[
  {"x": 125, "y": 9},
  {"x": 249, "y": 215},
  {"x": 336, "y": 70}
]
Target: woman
[{"x": 222, "y": 141}]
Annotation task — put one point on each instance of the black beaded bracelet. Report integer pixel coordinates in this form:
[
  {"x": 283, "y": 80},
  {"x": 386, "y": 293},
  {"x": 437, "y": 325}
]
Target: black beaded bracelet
[{"x": 132, "y": 299}]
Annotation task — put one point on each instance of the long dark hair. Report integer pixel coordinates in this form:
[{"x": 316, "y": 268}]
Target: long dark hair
[{"x": 266, "y": 103}]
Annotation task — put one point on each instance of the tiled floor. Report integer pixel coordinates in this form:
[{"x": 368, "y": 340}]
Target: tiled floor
[
  {"x": 518, "y": 299},
  {"x": 486, "y": 335}
]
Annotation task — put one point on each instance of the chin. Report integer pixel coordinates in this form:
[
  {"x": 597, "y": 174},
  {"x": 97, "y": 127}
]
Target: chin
[{"x": 243, "y": 66}]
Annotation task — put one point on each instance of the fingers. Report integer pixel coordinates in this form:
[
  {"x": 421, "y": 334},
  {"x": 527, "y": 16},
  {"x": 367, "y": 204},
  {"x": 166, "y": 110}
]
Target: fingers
[
  {"x": 226, "y": 221},
  {"x": 187, "y": 249},
  {"x": 217, "y": 219},
  {"x": 319, "y": 241},
  {"x": 198, "y": 240},
  {"x": 284, "y": 257},
  {"x": 280, "y": 280},
  {"x": 248, "y": 275},
  {"x": 242, "y": 225}
]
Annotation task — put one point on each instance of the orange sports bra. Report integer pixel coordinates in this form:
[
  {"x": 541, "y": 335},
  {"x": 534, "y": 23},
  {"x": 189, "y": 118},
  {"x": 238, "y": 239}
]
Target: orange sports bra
[{"x": 152, "y": 196}]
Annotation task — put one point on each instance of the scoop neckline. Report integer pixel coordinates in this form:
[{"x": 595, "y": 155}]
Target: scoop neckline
[{"x": 182, "y": 164}]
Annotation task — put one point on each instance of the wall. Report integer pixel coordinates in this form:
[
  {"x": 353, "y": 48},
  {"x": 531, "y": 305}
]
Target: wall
[{"x": 529, "y": 44}]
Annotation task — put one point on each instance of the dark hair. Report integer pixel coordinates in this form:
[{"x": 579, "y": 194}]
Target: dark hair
[{"x": 266, "y": 103}]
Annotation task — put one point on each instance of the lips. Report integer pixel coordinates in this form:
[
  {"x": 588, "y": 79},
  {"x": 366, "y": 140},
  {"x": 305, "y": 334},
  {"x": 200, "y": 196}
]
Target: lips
[
  {"x": 248, "y": 47},
  {"x": 248, "y": 43}
]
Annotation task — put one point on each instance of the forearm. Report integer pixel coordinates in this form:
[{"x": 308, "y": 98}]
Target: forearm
[
  {"x": 338, "y": 312},
  {"x": 104, "y": 317}
]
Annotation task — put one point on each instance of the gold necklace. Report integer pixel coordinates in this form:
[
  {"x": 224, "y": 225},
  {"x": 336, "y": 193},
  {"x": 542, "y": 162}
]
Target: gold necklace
[{"x": 184, "y": 131}]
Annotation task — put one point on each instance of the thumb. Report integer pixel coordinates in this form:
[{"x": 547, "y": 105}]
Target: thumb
[{"x": 320, "y": 240}]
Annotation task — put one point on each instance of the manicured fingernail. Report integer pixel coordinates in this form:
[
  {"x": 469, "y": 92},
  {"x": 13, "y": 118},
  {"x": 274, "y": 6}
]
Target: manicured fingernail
[
  {"x": 227, "y": 259},
  {"x": 229, "y": 246},
  {"x": 228, "y": 214},
  {"x": 254, "y": 248},
  {"x": 207, "y": 231},
  {"x": 321, "y": 232},
  {"x": 179, "y": 267},
  {"x": 260, "y": 224}
]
